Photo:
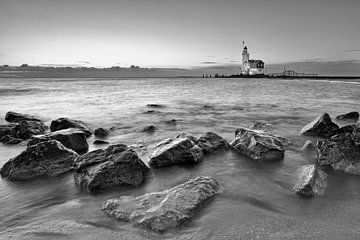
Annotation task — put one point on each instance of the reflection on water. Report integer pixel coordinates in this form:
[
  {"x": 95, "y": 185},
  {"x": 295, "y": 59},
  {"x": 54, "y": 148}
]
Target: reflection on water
[{"x": 256, "y": 202}]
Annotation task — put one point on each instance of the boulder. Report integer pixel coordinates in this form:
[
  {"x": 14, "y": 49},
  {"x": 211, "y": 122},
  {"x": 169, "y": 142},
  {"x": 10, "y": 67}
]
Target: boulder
[
  {"x": 104, "y": 168},
  {"x": 72, "y": 138},
  {"x": 26, "y": 129},
  {"x": 341, "y": 152},
  {"x": 346, "y": 129},
  {"x": 258, "y": 145},
  {"x": 322, "y": 126},
  {"x": 180, "y": 150},
  {"x": 18, "y": 117},
  {"x": 211, "y": 142},
  {"x": 171, "y": 122},
  {"x": 311, "y": 181},
  {"x": 7, "y": 139},
  {"x": 45, "y": 159},
  {"x": 149, "y": 129},
  {"x": 349, "y": 116},
  {"x": 6, "y": 129},
  {"x": 99, "y": 142},
  {"x": 64, "y": 123},
  {"x": 101, "y": 132},
  {"x": 308, "y": 146},
  {"x": 168, "y": 209}
]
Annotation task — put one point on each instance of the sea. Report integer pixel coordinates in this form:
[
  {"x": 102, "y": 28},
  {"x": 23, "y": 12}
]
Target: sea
[{"x": 257, "y": 201}]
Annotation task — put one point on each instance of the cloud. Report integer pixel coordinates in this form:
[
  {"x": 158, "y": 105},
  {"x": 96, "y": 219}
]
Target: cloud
[
  {"x": 352, "y": 50},
  {"x": 84, "y": 62},
  {"x": 209, "y": 62}
]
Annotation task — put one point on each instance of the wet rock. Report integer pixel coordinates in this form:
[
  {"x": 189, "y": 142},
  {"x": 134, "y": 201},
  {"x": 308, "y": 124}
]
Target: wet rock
[
  {"x": 149, "y": 129},
  {"x": 64, "y": 123},
  {"x": 308, "y": 146},
  {"x": 152, "y": 105},
  {"x": 349, "y": 116},
  {"x": 104, "y": 168},
  {"x": 180, "y": 150},
  {"x": 26, "y": 129},
  {"x": 311, "y": 181},
  {"x": 7, "y": 139},
  {"x": 18, "y": 117},
  {"x": 171, "y": 122},
  {"x": 188, "y": 136},
  {"x": 72, "y": 138},
  {"x": 211, "y": 142},
  {"x": 6, "y": 129},
  {"x": 261, "y": 126},
  {"x": 322, "y": 126},
  {"x": 151, "y": 112},
  {"x": 101, "y": 132},
  {"x": 161, "y": 211},
  {"x": 341, "y": 152},
  {"x": 258, "y": 145},
  {"x": 346, "y": 129},
  {"x": 99, "y": 142},
  {"x": 46, "y": 159}
]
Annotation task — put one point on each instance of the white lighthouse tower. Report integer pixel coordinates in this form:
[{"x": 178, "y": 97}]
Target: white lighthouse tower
[{"x": 245, "y": 61}]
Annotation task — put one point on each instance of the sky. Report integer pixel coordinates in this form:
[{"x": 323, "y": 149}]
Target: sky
[{"x": 174, "y": 33}]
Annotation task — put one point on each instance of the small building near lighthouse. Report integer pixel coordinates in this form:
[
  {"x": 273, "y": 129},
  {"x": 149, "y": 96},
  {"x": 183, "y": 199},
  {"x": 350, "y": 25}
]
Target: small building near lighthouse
[{"x": 251, "y": 66}]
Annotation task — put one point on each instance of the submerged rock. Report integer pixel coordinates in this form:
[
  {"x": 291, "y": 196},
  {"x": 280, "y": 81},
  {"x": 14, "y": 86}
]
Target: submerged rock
[
  {"x": 180, "y": 150},
  {"x": 64, "y": 123},
  {"x": 18, "y": 117},
  {"x": 46, "y": 159},
  {"x": 341, "y": 152},
  {"x": 211, "y": 142},
  {"x": 7, "y": 139},
  {"x": 261, "y": 126},
  {"x": 349, "y": 116},
  {"x": 322, "y": 126},
  {"x": 26, "y": 129},
  {"x": 101, "y": 132},
  {"x": 104, "y": 168},
  {"x": 152, "y": 105},
  {"x": 149, "y": 129},
  {"x": 98, "y": 142},
  {"x": 161, "y": 211},
  {"x": 258, "y": 145},
  {"x": 311, "y": 181},
  {"x": 171, "y": 122},
  {"x": 308, "y": 146},
  {"x": 72, "y": 138}
]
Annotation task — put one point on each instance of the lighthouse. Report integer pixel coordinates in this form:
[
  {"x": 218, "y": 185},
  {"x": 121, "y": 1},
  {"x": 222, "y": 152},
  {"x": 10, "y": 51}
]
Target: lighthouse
[
  {"x": 245, "y": 60},
  {"x": 251, "y": 66}
]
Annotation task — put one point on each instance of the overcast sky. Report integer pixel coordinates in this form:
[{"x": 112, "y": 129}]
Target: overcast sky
[{"x": 174, "y": 33}]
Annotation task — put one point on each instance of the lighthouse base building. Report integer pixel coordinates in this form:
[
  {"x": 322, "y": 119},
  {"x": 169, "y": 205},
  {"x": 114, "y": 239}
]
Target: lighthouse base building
[{"x": 251, "y": 66}]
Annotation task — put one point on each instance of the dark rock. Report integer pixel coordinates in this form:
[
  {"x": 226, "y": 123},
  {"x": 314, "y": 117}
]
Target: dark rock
[
  {"x": 72, "y": 138},
  {"x": 261, "y": 126},
  {"x": 104, "y": 168},
  {"x": 46, "y": 159},
  {"x": 155, "y": 105},
  {"x": 341, "y": 152},
  {"x": 258, "y": 145},
  {"x": 18, "y": 117},
  {"x": 171, "y": 122},
  {"x": 322, "y": 126},
  {"x": 26, "y": 129},
  {"x": 349, "y": 116},
  {"x": 188, "y": 136},
  {"x": 346, "y": 129},
  {"x": 311, "y": 181},
  {"x": 149, "y": 129},
  {"x": 161, "y": 211},
  {"x": 101, "y": 132},
  {"x": 151, "y": 112},
  {"x": 98, "y": 142},
  {"x": 6, "y": 129},
  {"x": 7, "y": 139},
  {"x": 308, "y": 146},
  {"x": 211, "y": 142},
  {"x": 64, "y": 123},
  {"x": 180, "y": 150}
]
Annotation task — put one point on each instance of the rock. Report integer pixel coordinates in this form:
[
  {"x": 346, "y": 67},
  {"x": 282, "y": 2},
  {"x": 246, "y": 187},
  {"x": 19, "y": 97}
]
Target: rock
[
  {"x": 98, "y": 142},
  {"x": 46, "y": 159},
  {"x": 101, "y": 132},
  {"x": 261, "y": 126},
  {"x": 151, "y": 105},
  {"x": 311, "y": 181},
  {"x": 188, "y": 136},
  {"x": 6, "y": 129},
  {"x": 171, "y": 122},
  {"x": 18, "y": 117},
  {"x": 26, "y": 129},
  {"x": 341, "y": 152},
  {"x": 7, "y": 139},
  {"x": 349, "y": 116},
  {"x": 308, "y": 146},
  {"x": 168, "y": 209},
  {"x": 149, "y": 129},
  {"x": 346, "y": 129},
  {"x": 322, "y": 126},
  {"x": 104, "y": 168},
  {"x": 64, "y": 123},
  {"x": 72, "y": 138},
  {"x": 152, "y": 112},
  {"x": 258, "y": 145},
  {"x": 211, "y": 142},
  {"x": 180, "y": 150}
]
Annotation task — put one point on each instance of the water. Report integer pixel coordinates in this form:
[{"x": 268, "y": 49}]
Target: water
[{"x": 257, "y": 201}]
